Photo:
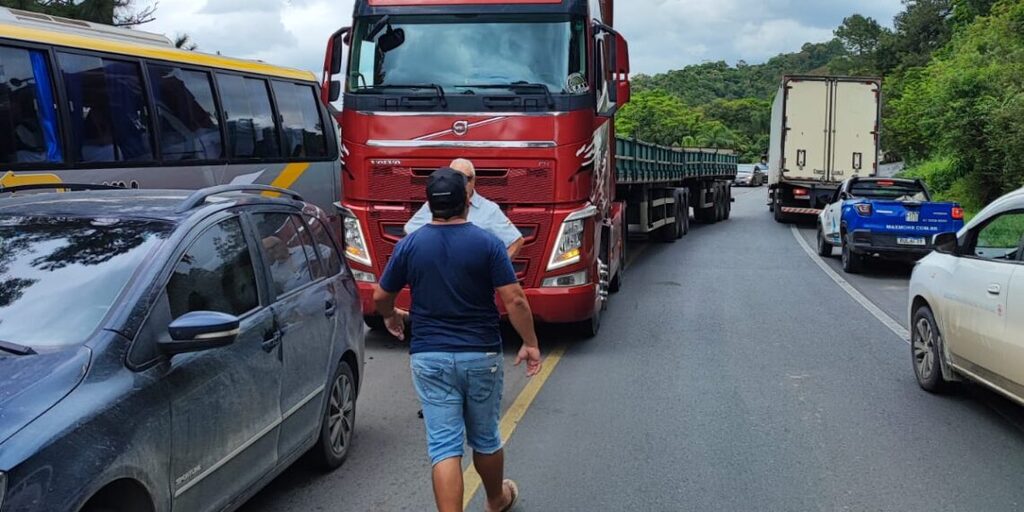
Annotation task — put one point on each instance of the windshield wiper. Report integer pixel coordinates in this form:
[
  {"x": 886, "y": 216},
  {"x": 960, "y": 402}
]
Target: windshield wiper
[
  {"x": 515, "y": 85},
  {"x": 414, "y": 87},
  {"x": 16, "y": 349}
]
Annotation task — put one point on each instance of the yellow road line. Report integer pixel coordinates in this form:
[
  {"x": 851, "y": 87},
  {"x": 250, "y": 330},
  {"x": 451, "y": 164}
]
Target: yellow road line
[
  {"x": 514, "y": 414},
  {"x": 287, "y": 178}
]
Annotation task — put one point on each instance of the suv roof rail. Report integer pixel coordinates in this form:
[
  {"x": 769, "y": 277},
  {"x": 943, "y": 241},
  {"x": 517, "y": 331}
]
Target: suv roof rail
[
  {"x": 199, "y": 197},
  {"x": 59, "y": 186}
]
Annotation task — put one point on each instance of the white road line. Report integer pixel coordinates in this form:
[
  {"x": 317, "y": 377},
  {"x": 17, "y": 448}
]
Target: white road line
[{"x": 886, "y": 320}]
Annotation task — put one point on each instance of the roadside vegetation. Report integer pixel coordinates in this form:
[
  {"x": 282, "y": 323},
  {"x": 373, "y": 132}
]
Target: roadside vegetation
[{"x": 953, "y": 91}]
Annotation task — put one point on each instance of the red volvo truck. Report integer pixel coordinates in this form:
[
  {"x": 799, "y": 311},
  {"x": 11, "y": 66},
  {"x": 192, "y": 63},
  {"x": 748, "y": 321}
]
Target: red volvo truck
[{"x": 527, "y": 90}]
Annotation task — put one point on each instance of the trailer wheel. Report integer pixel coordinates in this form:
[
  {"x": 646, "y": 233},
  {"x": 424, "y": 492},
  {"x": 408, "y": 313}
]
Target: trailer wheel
[
  {"x": 680, "y": 224},
  {"x": 686, "y": 213},
  {"x": 667, "y": 233},
  {"x": 777, "y": 210},
  {"x": 727, "y": 200}
]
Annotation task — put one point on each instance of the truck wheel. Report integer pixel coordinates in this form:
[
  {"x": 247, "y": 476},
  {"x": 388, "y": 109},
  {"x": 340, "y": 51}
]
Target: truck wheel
[
  {"x": 680, "y": 224},
  {"x": 727, "y": 201},
  {"x": 590, "y": 328},
  {"x": 925, "y": 349},
  {"x": 824, "y": 247},
  {"x": 686, "y": 213},
  {"x": 853, "y": 263},
  {"x": 777, "y": 210}
]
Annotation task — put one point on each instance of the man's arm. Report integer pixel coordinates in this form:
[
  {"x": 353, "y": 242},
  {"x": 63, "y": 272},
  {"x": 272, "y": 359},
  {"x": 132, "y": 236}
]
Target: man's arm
[
  {"x": 394, "y": 318},
  {"x": 420, "y": 219},
  {"x": 513, "y": 250},
  {"x": 521, "y": 317}
]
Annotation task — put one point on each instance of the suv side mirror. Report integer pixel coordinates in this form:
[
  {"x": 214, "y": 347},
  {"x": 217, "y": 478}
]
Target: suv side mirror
[
  {"x": 200, "y": 330},
  {"x": 946, "y": 243}
]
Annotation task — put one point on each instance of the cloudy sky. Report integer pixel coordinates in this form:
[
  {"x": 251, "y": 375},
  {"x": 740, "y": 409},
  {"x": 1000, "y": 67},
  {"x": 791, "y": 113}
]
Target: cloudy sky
[{"x": 663, "y": 34}]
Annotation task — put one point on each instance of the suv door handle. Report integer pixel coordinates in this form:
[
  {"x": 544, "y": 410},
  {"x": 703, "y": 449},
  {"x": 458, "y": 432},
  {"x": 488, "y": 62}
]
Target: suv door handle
[
  {"x": 994, "y": 289},
  {"x": 330, "y": 309},
  {"x": 272, "y": 342}
]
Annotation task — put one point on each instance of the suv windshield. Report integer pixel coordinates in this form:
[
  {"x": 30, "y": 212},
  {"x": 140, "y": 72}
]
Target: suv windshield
[
  {"x": 886, "y": 189},
  {"x": 453, "y": 52},
  {"x": 59, "y": 276}
]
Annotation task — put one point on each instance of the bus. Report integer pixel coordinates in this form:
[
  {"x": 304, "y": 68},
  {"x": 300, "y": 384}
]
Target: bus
[{"x": 88, "y": 103}]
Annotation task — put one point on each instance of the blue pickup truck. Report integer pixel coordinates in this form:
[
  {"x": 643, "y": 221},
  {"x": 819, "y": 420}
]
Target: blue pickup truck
[{"x": 883, "y": 218}]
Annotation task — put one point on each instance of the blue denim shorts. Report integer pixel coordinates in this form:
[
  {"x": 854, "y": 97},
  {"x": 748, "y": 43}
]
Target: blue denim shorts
[{"x": 461, "y": 397}]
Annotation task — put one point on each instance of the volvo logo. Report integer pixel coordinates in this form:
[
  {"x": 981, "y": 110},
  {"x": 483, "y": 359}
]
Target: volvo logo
[{"x": 460, "y": 128}]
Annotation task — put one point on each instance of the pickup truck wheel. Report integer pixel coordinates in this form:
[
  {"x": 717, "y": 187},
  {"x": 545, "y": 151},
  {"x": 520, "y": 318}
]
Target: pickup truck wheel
[
  {"x": 852, "y": 263},
  {"x": 824, "y": 247},
  {"x": 925, "y": 344}
]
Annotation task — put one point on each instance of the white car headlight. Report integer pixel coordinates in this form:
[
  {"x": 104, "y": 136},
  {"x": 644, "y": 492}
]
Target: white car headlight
[{"x": 355, "y": 244}]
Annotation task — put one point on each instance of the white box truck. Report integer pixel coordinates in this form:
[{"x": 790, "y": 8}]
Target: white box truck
[{"x": 824, "y": 130}]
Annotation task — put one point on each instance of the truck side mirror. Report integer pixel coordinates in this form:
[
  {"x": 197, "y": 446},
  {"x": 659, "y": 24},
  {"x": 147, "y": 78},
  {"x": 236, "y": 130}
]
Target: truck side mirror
[
  {"x": 335, "y": 90},
  {"x": 338, "y": 41},
  {"x": 622, "y": 84}
]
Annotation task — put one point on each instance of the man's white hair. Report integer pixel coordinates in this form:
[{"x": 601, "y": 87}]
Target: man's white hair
[{"x": 464, "y": 166}]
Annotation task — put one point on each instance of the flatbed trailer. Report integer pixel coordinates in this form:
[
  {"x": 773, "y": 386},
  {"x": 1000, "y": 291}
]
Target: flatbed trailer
[{"x": 659, "y": 185}]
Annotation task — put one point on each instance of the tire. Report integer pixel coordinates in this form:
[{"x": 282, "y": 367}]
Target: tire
[
  {"x": 824, "y": 247},
  {"x": 589, "y": 328},
  {"x": 338, "y": 422},
  {"x": 686, "y": 214},
  {"x": 925, "y": 344},
  {"x": 374, "y": 322},
  {"x": 853, "y": 263},
  {"x": 777, "y": 210},
  {"x": 727, "y": 201},
  {"x": 680, "y": 223}
]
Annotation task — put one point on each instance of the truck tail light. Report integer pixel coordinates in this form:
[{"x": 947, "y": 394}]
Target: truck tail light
[
  {"x": 568, "y": 249},
  {"x": 864, "y": 209},
  {"x": 355, "y": 244},
  {"x": 958, "y": 213},
  {"x": 801, "y": 192}
]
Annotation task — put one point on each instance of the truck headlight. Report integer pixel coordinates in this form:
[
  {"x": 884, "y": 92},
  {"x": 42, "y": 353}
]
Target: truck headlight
[
  {"x": 578, "y": 279},
  {"x": 355, "y": 243},
  {"x": 569, "y": 244}
]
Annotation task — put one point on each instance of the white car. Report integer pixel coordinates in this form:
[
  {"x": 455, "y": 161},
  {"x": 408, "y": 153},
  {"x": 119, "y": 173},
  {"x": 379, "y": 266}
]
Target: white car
[{"x": 967, "y": 303}]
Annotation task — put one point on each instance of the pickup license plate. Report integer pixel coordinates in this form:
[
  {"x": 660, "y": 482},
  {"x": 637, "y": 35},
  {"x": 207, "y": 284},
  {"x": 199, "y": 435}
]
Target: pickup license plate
[
  {"x": 911, "y": 240},
  {"x": 913, "y": 216}
]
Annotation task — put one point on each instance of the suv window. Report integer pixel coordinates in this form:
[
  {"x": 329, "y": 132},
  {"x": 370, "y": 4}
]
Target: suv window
[
  {"x": 28, "y": 117},
  {"x": 107, "y": 109},
  {"x": 1001, "y": 237},
  {"x": 285, "y": 250},
  {"x": 189, "y": 127},
  {"x": 325, "y": 245},
  {"x": 215, "y": 274}
]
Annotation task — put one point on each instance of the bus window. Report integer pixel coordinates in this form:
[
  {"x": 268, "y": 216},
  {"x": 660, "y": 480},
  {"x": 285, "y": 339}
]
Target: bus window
[
  {"x": 28, "y": 115},
  {"x": 189, "y": 127},
  {"x": 301, "y": 127},
  {"x": 252, "y": 132},
  {"x": 109, "y": 120}
]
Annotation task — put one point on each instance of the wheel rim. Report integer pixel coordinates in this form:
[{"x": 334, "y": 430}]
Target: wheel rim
[
  {"x": 924, "y": 348},
  {"x": 341, "y": 414}
]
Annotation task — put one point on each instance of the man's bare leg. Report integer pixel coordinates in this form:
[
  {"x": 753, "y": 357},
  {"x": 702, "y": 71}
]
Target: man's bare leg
[
  {"x": 491, "y": 469},
  {"x": 447, "y": 476}
]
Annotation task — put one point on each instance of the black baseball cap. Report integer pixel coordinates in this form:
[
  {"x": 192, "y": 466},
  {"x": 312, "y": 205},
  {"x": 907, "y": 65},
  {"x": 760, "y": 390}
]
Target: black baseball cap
[{"x": 446, "y": 193}]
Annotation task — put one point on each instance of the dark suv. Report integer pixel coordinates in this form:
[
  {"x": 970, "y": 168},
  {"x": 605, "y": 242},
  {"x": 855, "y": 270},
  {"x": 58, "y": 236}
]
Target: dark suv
[{"x": 160, "y": 349}]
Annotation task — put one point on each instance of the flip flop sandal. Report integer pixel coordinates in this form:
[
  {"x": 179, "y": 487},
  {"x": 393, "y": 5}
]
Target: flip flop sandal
[{"x": 515, "y": 495}]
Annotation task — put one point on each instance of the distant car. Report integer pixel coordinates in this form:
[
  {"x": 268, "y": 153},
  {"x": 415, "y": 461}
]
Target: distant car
[
  {"x": 165, "y": 351},
  {"x": 749, "y": 175},
  {"x": 967, "y": 304},
  {"x": 883, "y": 218}
]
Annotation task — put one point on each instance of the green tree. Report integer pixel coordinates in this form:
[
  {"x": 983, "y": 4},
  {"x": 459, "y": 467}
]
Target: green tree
[
  {"x": 922, "y": 28},
  {"x": 122, "y": 13},
  {"x": 657, "y": 116}
]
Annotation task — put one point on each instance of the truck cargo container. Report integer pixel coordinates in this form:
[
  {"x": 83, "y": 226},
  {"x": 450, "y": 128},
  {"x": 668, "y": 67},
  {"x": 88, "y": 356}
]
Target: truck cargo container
[
  {"x": 824, "y": 130},
  {"x": 528, "y": 91}
]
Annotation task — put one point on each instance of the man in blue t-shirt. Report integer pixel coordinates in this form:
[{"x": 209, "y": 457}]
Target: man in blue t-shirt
[{"x": 453, "y": 269}]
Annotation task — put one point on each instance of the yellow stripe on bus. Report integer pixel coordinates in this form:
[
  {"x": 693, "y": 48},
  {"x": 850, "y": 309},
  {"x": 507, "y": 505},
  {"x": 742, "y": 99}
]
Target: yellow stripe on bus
[
  {"x": 153, "y": 52},
  {"x": 287, "y": 178}
]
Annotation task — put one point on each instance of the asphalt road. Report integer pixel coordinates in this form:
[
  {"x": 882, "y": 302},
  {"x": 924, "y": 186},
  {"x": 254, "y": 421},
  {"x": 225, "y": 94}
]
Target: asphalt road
[{"x": 731, "y": 374}]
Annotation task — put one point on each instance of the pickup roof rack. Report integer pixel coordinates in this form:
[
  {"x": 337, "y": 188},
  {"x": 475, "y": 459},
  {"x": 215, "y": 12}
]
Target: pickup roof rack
[{"x": 199, "y": 197}]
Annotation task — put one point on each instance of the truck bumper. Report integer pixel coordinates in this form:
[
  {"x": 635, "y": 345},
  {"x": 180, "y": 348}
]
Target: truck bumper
[
  {"x": 885, "y": 245},
  {"x": 549, "y": 305}
]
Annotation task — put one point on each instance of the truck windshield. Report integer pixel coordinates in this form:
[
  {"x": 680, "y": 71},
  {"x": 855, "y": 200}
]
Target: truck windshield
[
  {"x": 890, "y": 189},
  {"x": 454, "y": 52},
  {"x": 60, "y": 276}
]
